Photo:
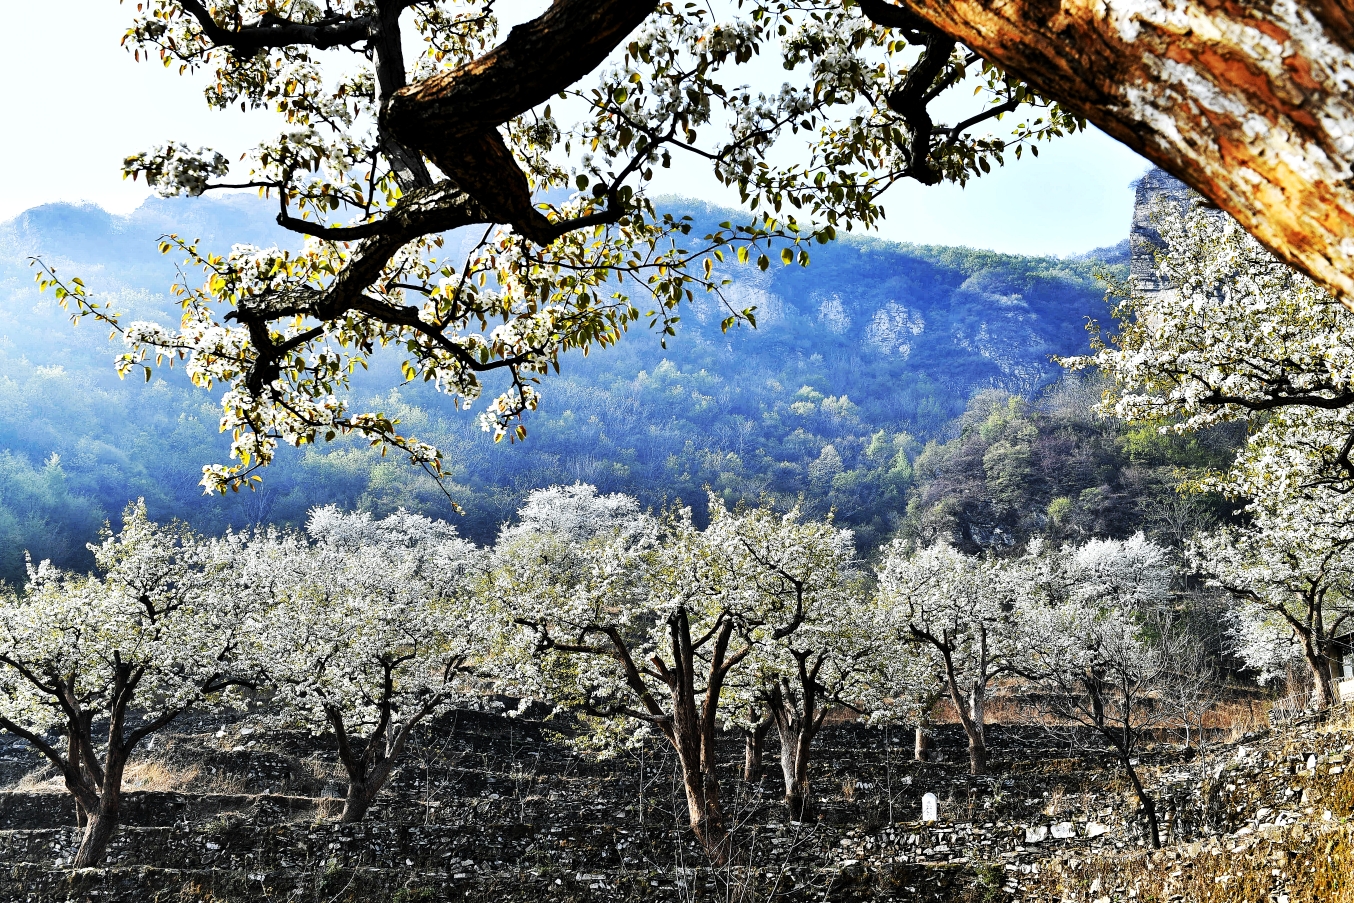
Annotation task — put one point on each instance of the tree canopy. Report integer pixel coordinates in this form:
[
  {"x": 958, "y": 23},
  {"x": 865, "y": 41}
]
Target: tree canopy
[{"x": 406, "y": 121}]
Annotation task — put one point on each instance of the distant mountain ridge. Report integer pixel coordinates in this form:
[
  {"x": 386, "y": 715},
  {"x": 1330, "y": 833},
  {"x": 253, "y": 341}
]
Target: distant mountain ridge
[
  {"x": 1001, "y": 315},
  {"x": 856, "y": 360}
]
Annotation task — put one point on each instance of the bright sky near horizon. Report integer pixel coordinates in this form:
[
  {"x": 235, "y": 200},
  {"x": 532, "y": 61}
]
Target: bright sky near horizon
[{"x": 77, "y": 104}]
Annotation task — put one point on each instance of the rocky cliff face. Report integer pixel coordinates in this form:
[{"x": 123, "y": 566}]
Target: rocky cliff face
[{"x": 1158, "y": 192}]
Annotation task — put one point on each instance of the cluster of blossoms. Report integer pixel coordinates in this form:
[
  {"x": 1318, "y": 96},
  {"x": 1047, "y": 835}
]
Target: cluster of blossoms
[
  {"x": 1225, "y": 332},
  {"x": 175, "y": 169}
]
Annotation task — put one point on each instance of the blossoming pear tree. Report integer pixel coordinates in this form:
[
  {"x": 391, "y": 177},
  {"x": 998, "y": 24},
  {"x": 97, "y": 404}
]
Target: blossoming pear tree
[
  {"x": 476, "y": 199},
  {"x": 1099, "y": 644},
  {"x": 1228, "y": 332},
  {"x": 105, "y": 661},
  {"x": 808, "y": 618},
  {"x": 1291, "y": 578},
  {"x": 370, "y": 627},
  {"x": 964, "y": 608},
  {"x": 638, "y": 627}
]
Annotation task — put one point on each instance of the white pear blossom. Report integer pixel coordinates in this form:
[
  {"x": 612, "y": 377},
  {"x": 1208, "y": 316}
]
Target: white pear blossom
[
  {"x": 1291, "y": 579},
  {"x": 1099, "y": 645}
]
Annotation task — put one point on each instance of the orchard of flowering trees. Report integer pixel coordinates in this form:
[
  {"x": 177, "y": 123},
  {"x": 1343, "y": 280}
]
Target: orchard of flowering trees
[
  {"x": 637, "y": 624},
  {"x": 761, "y": 622}
]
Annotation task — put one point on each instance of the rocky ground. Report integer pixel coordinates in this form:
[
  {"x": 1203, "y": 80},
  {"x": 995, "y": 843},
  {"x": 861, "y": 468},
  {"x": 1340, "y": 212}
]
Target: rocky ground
[{"x": 487, "y": 808}]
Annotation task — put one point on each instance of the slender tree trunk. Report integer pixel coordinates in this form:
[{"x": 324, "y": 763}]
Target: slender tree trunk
[
  {"x": 1246, "y": 101},
  {"x": 794, "y": 766},
  {"x": 977, "y": 753},
  {"x": 921, "y": 746},
  {"x": 971, "y": 713},
  {"x": 754, "y": 741},
  {"x": 1149, "y": 807},
  {"x": 367, "y": 776},
  {"x": 977, "y": 730},
  {"x": 73, "y": 758},
  {"x": 691, "y": 726},
  {"x": 797, "y": 716}
]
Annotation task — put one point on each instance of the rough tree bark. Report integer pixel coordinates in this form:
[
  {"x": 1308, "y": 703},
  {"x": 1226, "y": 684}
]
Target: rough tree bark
[
  {"x": 754, "y": 741},
  {"x": 1323, "y": 683},
  {"x": 798, "y": 711},
  {"x": 1250, "y": 102},
  {"x": 453, "y": 117}
]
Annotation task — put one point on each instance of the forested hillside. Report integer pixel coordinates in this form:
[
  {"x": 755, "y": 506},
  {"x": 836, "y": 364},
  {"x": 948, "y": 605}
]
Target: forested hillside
[{"x": 856, "y": 362}]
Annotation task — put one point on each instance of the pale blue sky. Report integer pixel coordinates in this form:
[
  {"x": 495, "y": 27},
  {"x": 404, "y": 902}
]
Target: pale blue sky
[{"x": 76, "y": 104}]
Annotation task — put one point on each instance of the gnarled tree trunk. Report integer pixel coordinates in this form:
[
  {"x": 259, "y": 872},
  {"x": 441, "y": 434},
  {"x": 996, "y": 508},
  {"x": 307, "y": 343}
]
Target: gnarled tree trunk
[
  {"x": 361, "y": 794},
  {"x": 102, "y": 820},
  {"x": 754, "y": 741},
  {"x": 798, "y": 712},
  {"x": 691, "y": 727},
  {"x": 369, "y": 765},
  {"x": 1250, "y": 102},
  {"x": 1323, "y": 683},
  {"x": 795, "y": 739}
]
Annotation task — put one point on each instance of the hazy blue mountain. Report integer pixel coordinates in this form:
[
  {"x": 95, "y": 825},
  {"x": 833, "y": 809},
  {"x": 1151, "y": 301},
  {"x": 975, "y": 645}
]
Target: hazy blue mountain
[{"x": 856, "y": 360}]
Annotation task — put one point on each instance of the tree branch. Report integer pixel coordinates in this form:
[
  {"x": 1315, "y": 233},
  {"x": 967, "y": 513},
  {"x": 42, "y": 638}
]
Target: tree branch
[{"x": 273, "y": 30}]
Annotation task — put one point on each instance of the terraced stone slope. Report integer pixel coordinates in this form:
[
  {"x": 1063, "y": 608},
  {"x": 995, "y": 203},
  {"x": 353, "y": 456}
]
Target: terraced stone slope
[{"x": 487, "y": 808}]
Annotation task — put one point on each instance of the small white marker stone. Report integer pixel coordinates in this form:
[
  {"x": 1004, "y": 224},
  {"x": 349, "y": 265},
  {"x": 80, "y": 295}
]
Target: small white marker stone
[{"x": 930, "y": 808}]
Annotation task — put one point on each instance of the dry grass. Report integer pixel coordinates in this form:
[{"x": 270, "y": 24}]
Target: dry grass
[
  {"x": 41, "y": 780},
  {"x": 1341, "y": 720},
  {"x": 222, "y": 782},
  {"x": 1057, "y": 802},
  {"x": 157, "y": 774},
  {"x": 140, "y": 774},
  {"x": 1311, "y": 869}
]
